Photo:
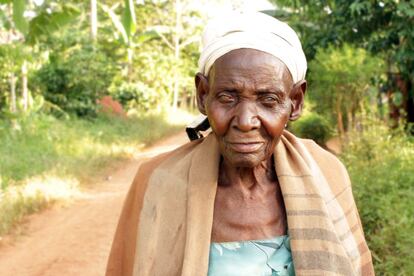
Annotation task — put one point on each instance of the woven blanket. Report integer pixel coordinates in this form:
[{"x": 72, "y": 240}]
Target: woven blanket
[{"x": 165, "y": 226}]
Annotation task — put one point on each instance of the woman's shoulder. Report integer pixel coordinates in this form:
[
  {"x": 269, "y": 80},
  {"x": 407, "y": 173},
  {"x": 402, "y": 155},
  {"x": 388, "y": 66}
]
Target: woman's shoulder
[
  {"x": 172, "y": 156},
  {"x": 329, "y": 163},
  {"x": 173, "y": 163},
  {"x": 320, "y": 154}
]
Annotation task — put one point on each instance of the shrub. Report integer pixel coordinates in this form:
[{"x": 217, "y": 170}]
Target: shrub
[
  {"x": 135, "y": 95},
  {"x": 312, "y": 126},
  {"x": 76, "y": 83},
  {"x": 380, "y": 164}
]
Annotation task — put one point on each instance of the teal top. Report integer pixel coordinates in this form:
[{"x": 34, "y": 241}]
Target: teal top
[{"x": 268, "y": 257}]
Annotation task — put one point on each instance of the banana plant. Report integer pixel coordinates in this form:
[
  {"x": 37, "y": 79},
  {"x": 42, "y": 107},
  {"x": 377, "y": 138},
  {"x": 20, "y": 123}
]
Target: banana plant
[
  {"x": 19, "y": 7},
  {"x": 126, "y": 27}
]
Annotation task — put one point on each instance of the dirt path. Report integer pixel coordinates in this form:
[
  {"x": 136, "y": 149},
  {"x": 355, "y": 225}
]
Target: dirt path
[{"x": 76, "y": 240}]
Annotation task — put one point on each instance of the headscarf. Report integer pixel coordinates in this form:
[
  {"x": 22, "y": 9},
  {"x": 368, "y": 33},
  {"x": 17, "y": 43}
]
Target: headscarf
[{"x": 253, "y": 30}]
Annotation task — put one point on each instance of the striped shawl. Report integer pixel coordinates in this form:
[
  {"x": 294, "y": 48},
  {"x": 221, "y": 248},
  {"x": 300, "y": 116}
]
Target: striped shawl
[{"x": 165, "y": 225}]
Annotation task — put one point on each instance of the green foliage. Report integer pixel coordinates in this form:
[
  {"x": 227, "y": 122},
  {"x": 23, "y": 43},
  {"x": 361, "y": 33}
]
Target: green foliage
[
  {"x": 42, "y": 143},
  {"x": 46, "y": 22},
  {"x": 312, "y": 126},
  {"x": 12, "y": 57},
  {"x": 117, "y": 23},
  {"x": 76, "y": 82},
  {"x": 128, "y": 18},
  {"x": 71, "y": 70},
  {"x": 378, "y": 26},
  {"x": 8, "y": 60},
  {"x": 340, "y": 83},
  {"x": 19, "y": 7},
  {"x": 381, "y": 164},
  {"x": 177, "y": 45},
  {"x": 127, "y": 24},
  {"x": 49, "y": 17},
  {"x": 381, "y": 27},
  {"x": 136, "y": 95},
  {"x": 5, "y": 21}
]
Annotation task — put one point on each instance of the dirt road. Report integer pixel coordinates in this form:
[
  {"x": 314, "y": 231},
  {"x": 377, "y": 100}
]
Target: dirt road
[{"x": 76, "y": 240}]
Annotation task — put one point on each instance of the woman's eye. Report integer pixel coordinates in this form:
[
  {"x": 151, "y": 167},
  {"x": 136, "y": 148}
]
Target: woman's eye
[
  {"x": 269, "y": 100},
  {"x": 226, "y": 98}
]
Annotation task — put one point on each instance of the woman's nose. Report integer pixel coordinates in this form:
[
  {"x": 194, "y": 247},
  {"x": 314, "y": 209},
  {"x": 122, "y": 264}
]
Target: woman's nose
[{"x": 246, "y": 117}]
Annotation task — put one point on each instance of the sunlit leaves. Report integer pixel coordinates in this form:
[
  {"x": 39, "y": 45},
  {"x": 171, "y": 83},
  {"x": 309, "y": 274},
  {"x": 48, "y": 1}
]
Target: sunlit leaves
[
  {"x": 6, "y": 1},
  {"x": 340, "y": 79},
  {"x": 119, "y": 27},
  {"x": 145, "y": 36},
  {"x": 406, "y": 8},
  {"x": 128, "y": 18},
  {"x": 46, "y": 23},
  {"x": 5, "y": 22},
  {"x": 19, "y": 7},
  {"x": 127, "y": 24}
]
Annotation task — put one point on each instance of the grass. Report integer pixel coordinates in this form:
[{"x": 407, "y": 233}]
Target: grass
[
  {"x": 380, "y": 164},
  {"x": 44, "y": 159}
]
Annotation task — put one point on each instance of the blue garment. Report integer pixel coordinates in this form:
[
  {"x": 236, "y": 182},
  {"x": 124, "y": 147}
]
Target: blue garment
[{"x": 268, "y": 257}]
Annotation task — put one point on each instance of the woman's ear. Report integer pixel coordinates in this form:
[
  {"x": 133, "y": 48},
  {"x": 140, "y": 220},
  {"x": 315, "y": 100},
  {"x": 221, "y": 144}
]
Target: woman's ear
[
  {"x": 202, "y": 87},
  {"x": 297, "y": 97}
]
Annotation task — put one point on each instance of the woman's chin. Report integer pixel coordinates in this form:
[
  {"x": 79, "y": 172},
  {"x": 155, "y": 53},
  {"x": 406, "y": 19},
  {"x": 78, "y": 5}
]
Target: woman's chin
[{"x": 244, "y": 160}]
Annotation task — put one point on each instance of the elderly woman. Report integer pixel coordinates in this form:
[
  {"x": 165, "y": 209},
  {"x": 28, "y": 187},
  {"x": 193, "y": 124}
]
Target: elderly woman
[{"x": 250, "y": 198}]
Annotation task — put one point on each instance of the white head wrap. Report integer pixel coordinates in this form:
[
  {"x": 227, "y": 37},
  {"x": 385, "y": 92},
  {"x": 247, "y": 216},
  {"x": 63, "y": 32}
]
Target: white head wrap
[{"x": 253, "y": 30}]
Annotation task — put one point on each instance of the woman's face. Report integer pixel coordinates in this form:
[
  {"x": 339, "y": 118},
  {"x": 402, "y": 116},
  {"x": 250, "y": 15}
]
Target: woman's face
[{"x": 248, "y": 104}]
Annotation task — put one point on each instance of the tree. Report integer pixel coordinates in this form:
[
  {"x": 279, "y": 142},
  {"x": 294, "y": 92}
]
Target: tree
[
  {"x": 179, "y": 34},
  {"x": 94, "y": 19},
  {"x": 379, "y": 26},
  {"x": 173, "y": 34},
  {"x": 45, "y": 21},
  {"x": 340, "y": 83},
  {"x": 126, "y": 26}
]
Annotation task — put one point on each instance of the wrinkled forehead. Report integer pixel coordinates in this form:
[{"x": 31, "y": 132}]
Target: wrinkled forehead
[{"x": 250, "y": 64}]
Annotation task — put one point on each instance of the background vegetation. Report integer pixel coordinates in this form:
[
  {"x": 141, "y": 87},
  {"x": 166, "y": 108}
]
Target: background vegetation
[
  {"x": 84, "y": 84},
  {"x": 49, "y": 159},
  {"x": 380, "y": 163}
]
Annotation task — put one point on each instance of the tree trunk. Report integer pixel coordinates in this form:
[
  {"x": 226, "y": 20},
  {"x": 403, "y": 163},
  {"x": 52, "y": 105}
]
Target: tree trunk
[
  {"x": 13, "y": 107},
  {"x": 94, "y": 19},
  {"x": 410, "y": 104},
  {"x": 130, "y": 53},
  {"x": 25, "y": 91},
  {"x": 350, "y": 125},
  {"x": 177, "y": 53},
  {"x": 339, "y": 119},
  {"x": 405, "y": 109}
]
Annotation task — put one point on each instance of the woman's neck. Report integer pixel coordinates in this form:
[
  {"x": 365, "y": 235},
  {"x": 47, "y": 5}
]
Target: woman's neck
[{"x": 247, "y": 178}]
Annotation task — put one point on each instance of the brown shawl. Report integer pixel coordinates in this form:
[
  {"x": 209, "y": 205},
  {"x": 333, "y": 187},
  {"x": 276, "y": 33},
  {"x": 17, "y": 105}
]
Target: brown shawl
[{"x": 165, "y": 226}]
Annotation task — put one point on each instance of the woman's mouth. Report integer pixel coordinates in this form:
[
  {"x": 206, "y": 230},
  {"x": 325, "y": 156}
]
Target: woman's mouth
[{"x": 246, "y": 147}]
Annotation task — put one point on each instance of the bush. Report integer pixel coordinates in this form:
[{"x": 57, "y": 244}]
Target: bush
[
  {"x": 312, "y": 126},
  {"x": 381, "y": 165},
  {"x": 136, "y": 95},
  {"x": 76, "y": 83}
]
